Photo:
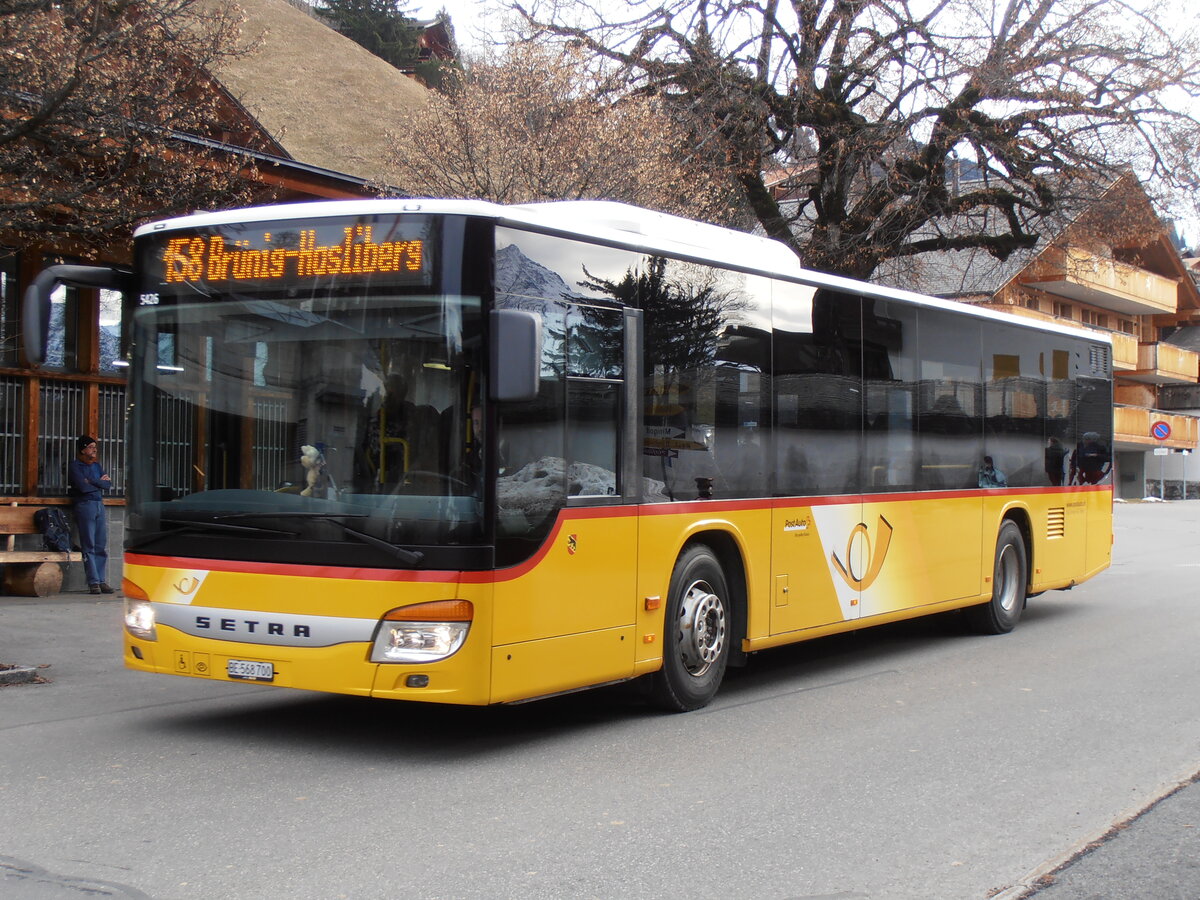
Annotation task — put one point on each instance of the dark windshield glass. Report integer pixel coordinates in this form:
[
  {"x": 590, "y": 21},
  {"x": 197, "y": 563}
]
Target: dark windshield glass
[{"x": 341, "y": 415}]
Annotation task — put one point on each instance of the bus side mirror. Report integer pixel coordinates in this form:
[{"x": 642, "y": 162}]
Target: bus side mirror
[
  {"x": 516, "y": 348},
  {"x": 35, "y": 315}
]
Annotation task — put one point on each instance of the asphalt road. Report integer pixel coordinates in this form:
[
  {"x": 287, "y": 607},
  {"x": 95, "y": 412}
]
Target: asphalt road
[
  {"x": 1153, "y": 856},
  {"x": 911, "y": 761}
]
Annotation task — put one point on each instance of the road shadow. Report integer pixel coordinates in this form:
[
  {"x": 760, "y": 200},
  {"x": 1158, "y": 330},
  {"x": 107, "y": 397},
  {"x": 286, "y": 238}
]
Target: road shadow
[
  {"x": 871, "y": 652},
  {"x": 397, "y": 730},
  {"x": 401, "y": 731}
]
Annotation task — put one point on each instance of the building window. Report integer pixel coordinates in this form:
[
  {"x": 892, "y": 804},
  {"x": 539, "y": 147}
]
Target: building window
[
  {"x": 62, "y": 347},
  {"x": 63, "y": 344},
  {"x": 9, "y": 294},
  {"x": 110, "y": 331},
  {"x": 1031, "y": 303},
  {"x": 1064, "y": 310}
]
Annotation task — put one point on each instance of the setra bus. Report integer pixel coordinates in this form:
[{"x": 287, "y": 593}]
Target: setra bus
[{"x": 452, "y": 451}]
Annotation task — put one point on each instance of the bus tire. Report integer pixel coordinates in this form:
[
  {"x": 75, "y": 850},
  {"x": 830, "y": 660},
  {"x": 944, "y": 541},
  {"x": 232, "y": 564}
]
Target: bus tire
[
  {"x": 1010, "y": 578},
  {"x": 697, "y": 630}
]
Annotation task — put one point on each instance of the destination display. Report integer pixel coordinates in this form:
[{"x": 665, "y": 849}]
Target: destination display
[{"x": 388, "y": 251}]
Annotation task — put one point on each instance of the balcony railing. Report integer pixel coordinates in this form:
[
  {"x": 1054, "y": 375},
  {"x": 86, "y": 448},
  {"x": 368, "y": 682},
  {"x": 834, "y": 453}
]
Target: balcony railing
[
  {"x": 1125, "y": 352},
  {"x": 1105, "y": 283},
  {"x": 1133, "y": 424},
  {"x": 62, "y": 415},
  {"x": 1161, "y": 363}
]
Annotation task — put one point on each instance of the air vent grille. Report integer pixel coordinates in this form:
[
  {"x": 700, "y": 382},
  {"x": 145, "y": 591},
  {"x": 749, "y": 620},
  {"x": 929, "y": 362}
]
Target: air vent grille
[
  {"x": 1056, "y": 523},
  {"x": 1099, "y": 359}
]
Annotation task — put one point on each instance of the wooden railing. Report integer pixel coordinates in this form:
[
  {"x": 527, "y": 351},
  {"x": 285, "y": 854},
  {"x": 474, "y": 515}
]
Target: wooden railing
[
  {"x": 1168, "y": 362},
  {"x": 1133, "y": 424},
  {"x": 1125, "y": 351},
  {"x": 1102, "y": 276}
]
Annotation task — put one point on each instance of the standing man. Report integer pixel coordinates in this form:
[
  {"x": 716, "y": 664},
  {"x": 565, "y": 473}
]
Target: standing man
[{"x": 86, "y": 479}]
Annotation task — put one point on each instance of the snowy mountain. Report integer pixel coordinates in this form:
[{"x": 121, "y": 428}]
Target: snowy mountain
[{"x": 521, "y": 282}]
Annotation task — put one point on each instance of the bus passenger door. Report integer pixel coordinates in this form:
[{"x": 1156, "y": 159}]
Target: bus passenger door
[{"x": 565, "y": 618}]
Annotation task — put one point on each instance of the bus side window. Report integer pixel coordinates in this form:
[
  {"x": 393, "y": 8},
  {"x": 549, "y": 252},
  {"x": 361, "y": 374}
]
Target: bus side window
[
  {"x": 817, "y": 390},
  {"x": 593, "y": 427},
  {"x": 949, "y": 401},
  {"x": 595, "y": 350}
]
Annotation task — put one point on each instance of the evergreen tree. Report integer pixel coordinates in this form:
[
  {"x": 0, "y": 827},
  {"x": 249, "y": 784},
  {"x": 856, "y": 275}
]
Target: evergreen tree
[{"x": 379, "y": 26}]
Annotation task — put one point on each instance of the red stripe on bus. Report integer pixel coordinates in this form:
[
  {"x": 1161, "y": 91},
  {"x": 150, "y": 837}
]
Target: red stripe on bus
[
  {"x": 684, "y": 507},
  {"x": 305, "y": 571}
]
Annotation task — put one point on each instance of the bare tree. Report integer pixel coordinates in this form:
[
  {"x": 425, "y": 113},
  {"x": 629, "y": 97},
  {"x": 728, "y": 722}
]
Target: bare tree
[
  {"x": 104, "y": 105},
  {"x": 533, "y": 124},
  {"x": 868, "y": 130}
]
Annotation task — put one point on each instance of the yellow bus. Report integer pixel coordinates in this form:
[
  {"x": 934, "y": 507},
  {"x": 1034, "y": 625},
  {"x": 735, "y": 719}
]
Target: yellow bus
[{"x": 452, "y": 451}]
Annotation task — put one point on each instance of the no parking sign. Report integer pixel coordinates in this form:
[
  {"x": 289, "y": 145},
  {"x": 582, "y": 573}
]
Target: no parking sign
[{"x": 1160, "y": 430}]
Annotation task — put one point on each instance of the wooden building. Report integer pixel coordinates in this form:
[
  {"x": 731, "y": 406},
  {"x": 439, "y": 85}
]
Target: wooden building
[{"x": 310, "y": 110}]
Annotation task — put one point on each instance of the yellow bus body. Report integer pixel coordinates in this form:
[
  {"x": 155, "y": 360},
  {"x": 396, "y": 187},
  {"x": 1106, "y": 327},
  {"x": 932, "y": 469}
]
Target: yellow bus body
[{"x": 588, "y": 608}]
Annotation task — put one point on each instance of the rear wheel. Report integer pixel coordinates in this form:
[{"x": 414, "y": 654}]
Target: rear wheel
[
  {"x": 696, "y": 633},
  {"x": 1010, "y": 578}
]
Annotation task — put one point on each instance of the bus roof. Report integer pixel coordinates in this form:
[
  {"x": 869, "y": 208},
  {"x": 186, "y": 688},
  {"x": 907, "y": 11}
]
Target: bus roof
[
  {"x": 616, "y": 223},
  {"x": 598, "y": 219}
]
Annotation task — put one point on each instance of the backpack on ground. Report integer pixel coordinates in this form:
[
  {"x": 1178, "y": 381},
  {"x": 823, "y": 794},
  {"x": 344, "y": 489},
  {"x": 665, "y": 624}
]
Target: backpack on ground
[{"x": 56, "y": 530}]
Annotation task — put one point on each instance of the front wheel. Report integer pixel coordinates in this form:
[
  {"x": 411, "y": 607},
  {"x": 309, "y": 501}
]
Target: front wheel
[
  {"x": 696, "y": 633},
  {"x": 1010, "y": 578}
]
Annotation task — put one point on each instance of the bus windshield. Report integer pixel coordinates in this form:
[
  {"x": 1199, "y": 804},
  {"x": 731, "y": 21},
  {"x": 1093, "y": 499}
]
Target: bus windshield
[{"x": 337, "y": 425}]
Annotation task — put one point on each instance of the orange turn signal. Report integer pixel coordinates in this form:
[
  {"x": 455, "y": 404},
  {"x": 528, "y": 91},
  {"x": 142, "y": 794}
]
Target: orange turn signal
[
  {"x": 436, "y": 611},
  {"x": 129, "y": 589}
]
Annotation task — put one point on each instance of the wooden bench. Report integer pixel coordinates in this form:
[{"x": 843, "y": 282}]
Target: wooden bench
[{"x": 29, "y": 573}]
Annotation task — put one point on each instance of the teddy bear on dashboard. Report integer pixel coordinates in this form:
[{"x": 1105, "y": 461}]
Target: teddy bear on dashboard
[{"x": 313, "y": 461}]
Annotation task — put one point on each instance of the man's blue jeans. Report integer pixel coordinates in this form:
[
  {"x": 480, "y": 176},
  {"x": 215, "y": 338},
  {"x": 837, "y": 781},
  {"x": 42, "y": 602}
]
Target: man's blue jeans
[{"x": 93, "y": 538}]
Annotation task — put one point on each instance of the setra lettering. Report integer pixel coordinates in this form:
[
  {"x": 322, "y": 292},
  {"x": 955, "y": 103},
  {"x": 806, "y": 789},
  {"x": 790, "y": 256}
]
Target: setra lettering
[{"x": 252, "y": 626}]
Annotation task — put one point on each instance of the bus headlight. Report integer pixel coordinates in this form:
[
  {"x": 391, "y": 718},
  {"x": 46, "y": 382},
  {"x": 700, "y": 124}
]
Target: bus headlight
[
  {"x": 423, "y": 632},
  {"x": 139, "y": 619}
]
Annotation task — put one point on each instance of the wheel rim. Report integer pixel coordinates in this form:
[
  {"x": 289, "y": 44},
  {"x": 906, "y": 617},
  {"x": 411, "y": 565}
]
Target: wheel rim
[
  {"x": 1007, "y": 576},
  {"x": 701, "y": 628}
]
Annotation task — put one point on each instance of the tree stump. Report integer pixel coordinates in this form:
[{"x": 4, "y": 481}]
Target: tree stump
[{"x": 32, "y": 579}]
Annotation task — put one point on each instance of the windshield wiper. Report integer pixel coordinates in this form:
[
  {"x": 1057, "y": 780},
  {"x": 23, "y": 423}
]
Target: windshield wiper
[
  {"x": 200, "y": 525},
  {"x": 408, "y": 557}
]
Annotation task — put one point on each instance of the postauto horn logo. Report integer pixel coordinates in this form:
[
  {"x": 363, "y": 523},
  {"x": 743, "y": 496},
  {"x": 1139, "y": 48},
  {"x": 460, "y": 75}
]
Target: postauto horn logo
[{"x": 874, "y": 555}]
